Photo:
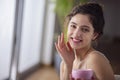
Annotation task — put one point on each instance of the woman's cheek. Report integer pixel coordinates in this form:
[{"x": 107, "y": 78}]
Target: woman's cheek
[{"x": 68, "y": 34}]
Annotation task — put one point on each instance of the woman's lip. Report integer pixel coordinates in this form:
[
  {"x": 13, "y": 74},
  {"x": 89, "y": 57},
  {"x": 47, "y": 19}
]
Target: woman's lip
[{"x": 76, "y": 40}]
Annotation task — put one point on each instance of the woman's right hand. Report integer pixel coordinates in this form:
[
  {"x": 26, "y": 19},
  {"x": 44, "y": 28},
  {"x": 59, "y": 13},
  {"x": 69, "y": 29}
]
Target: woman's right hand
[{"x": 65, "y": 50}]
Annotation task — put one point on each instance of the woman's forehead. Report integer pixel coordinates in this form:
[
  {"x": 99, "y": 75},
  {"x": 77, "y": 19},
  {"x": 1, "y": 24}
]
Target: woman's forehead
[{"x": 80, "y": 19}]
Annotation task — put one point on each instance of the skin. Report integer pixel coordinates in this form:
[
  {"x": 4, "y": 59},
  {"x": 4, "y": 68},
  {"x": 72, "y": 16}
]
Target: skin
[{"x": 78, "y": 52}]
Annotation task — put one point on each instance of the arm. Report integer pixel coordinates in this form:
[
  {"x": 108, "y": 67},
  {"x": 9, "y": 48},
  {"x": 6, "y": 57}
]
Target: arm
[
  {"x": 100, "y": 66},
  {"x": 65, "y": 71},
  {"x": 67, "y": 55}
]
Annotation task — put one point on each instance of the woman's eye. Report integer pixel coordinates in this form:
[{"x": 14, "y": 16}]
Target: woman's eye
[
  {"x": 73, "y": 26},
  {"x": 85, "y": 30}
]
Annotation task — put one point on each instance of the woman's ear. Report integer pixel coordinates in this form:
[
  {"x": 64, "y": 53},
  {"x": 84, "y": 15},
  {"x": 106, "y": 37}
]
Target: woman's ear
[{"x": 95, "y": 35}]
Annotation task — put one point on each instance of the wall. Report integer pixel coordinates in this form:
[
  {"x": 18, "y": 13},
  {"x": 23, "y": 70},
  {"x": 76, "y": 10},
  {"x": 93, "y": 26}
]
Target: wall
[
  {"x": 7, "y": 9},
  {"x": 110, "y": 42},
  {"x": 112, "y": 17},
  {"x": 47, "y": 55},
  {"x": 31, "y": 34}
]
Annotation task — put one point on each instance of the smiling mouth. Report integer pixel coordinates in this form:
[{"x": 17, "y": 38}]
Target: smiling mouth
[{"x": 76, "y": 40}]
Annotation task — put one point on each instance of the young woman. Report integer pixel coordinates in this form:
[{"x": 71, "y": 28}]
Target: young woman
[{"x": 85, "y": 25}]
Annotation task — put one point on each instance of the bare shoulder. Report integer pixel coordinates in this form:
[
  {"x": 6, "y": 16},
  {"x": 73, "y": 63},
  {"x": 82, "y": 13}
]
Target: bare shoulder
[
  {"x": 100, "y": 65},
  {"x": 96, "y": 56},
  {"x": 97, "y": 60}
]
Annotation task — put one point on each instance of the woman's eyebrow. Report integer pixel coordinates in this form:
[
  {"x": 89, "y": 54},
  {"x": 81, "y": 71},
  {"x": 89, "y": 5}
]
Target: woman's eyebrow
[
  {"x": 85, "y": 26},
  {"x": 81, "y": 25},
  {"x": 74, "y": 23}
]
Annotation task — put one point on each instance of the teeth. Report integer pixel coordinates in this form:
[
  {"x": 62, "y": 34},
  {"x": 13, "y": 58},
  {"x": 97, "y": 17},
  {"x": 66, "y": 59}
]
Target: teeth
[{"x": 76, "y": 40}]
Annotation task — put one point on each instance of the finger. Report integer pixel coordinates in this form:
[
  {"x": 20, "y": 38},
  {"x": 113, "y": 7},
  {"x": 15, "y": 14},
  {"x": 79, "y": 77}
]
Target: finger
[
  {"x": 59, "y": 41},
  {"x": 92, "y": 78},
  {"x": 57, "y": 48},
  {"x": 69, "y": 46},
  {"x": 62, "y": 38},
  {"x": 60, "y": 51},
  {"x": 71, "y": 77},
  {"x": 81, "y": 79}
]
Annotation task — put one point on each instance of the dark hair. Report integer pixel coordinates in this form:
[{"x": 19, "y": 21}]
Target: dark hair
[{"x": 95, "y": 13}]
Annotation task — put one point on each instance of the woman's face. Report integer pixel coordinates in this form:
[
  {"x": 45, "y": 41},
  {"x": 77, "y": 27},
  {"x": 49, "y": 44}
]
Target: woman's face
[{"x": 80, "y": 31}]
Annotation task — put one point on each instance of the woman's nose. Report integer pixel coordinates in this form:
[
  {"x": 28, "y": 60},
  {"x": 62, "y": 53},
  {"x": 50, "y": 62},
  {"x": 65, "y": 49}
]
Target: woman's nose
[{"x": 77, "y": 33}]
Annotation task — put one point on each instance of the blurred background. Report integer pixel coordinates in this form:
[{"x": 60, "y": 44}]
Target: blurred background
[{"x": 28, "y": 30}]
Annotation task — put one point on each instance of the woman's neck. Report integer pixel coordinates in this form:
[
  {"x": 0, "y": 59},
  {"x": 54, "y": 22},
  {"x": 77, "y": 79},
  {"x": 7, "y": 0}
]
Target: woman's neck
[{"x": 81, "y": 53}]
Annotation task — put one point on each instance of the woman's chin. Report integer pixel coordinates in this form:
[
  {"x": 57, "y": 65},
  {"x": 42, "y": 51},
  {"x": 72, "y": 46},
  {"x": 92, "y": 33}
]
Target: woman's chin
[{"x": 75, "y": 47}]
